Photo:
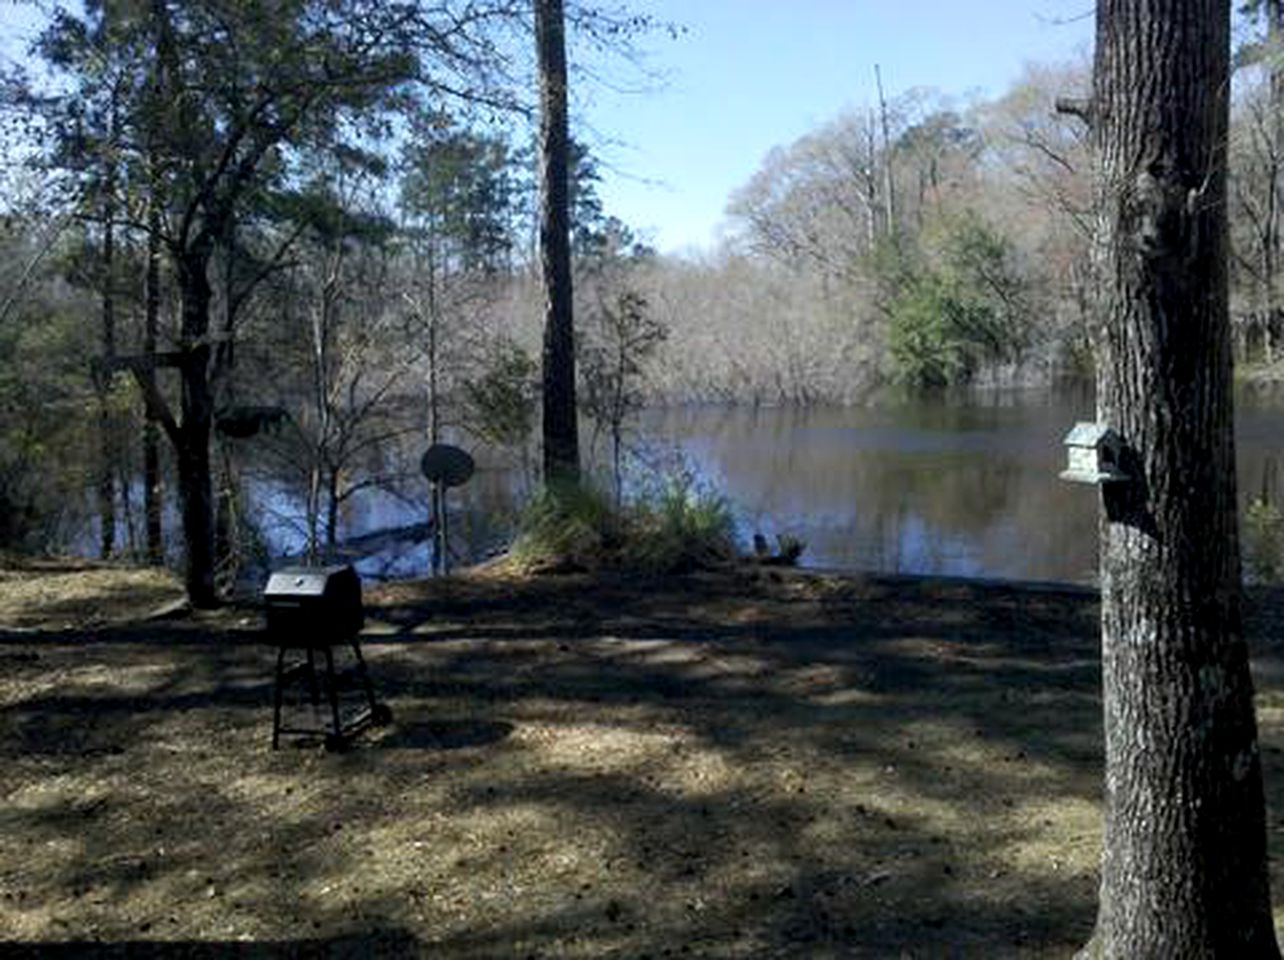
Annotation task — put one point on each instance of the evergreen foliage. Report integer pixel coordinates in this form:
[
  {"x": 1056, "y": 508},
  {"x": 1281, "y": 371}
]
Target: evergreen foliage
[
  {"x": 501, "y": 398},
  {"x": 958, "y": 305}
]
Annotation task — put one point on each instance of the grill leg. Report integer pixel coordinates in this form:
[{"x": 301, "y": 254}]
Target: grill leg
[
  {"x": 331, "y": 686},
  {"x": 276, "y": 697},
  {"x": 380, "y": 715},
  {"x": 312, "y": 677},
  {"x": 365, "y": 676}
]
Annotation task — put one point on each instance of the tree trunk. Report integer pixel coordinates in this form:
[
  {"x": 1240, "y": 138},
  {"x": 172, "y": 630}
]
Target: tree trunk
[
  {"x": 227, "y": 523},
  {"x": 434, "y": 397},
  {"x": 1275, "y": 205},
  {"x": 1184, "y": 863},
  {"x": 107, "y": 447},
  {"x": 870, "y": 175},
  {"x": 561, "y": 430},
  {"x": 321, "y": 408},
  {"x": 332, "y": 512},
  {"x": 151, "y": 429},
  {"x": 889, "y": 177},
  {"x": 192, "y": 448}
]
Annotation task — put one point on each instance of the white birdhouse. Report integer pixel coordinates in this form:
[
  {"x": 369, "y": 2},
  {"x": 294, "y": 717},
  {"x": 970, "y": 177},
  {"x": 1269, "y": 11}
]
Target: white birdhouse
[{"x": 1094, "y": 451}]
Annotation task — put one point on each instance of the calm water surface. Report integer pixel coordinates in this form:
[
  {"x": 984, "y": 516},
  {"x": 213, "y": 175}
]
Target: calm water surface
[{"x": 968, "y": 488}]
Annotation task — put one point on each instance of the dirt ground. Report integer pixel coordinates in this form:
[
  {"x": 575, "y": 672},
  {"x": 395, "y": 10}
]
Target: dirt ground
[{"x": 755, "y": 763}]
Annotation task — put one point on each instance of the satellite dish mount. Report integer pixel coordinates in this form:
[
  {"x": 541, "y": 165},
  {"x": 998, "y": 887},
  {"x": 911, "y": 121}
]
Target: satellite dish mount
[{"x": 445, "y": 466}]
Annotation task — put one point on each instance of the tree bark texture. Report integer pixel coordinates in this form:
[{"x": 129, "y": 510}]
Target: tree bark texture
[
  {"x": 1184, "y": 863},
  {"x": 560, "y": 425}
]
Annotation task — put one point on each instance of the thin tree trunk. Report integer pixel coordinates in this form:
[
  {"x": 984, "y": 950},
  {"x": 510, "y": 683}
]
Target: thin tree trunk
[
  {"x": 332, "y": 512},
  {"x": 560, "y": 427},
  {"x": 320, "y": 379},
  {"x": 227, "y": 523},
  {"x": 1275, "y": 203},
  {"x": 619, "y": 409},
  {"x": 889, "y": 178},
  {"x": 192, "y": 448},
  {"x": 434, "y": 397},
  {"x": 1184, "y": 863},
  {"x": 123, "y": 481},
  {"x": 440, "y": 531},
  {"x": 871, "y": 182},
  {"x": 151, "y": 429},
  {"x": 227, "y": 501},
  {"x": 437, "y": 519},
  {"x": 106, "y": 421}
]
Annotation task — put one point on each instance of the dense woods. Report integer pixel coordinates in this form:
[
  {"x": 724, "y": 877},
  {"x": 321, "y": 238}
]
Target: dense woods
[{"x": 315, "y": 237}]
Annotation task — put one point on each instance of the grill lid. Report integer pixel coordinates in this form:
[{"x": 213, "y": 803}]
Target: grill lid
[
  {"x": 314, "y": 606},
  {"x": 302, "y": 581}
]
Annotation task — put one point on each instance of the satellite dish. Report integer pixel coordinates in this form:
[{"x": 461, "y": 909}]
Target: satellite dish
[{"x": 447, "y": 465}]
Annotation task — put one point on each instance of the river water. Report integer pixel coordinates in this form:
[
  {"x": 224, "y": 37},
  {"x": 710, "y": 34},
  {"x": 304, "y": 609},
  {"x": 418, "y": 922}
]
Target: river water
[{"x": 967, "y": 487}]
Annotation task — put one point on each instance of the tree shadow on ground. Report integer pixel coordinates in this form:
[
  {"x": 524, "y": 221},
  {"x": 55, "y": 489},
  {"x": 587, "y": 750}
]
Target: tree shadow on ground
[
  {"x": 371, "y": 943},
  {"x": 859, "y": 768}
]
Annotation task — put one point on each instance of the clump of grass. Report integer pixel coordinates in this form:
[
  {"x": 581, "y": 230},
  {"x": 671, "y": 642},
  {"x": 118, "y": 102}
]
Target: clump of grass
[
  {"x": 683, "y": 527},
  {"x": 567, "y": 526},
  {"x": 674, "y": 526},
  {"x": 791, "y": 548}
]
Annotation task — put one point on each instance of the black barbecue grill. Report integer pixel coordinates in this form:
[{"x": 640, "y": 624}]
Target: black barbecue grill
[{"x": 312, "y": 610}]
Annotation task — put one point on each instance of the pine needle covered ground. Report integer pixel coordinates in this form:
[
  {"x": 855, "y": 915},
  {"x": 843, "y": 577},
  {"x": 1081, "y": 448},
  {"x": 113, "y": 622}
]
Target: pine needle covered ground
[{"x": 750, "y": 763}]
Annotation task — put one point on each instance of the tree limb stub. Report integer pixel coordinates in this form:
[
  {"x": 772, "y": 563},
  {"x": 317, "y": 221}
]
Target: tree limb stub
[{"x": 1076, "y": 107}]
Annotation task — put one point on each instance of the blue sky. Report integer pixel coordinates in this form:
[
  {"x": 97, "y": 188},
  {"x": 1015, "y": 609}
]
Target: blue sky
[
  {"x": 752, "y": 74},
  {"x": 748, "y": 75}
]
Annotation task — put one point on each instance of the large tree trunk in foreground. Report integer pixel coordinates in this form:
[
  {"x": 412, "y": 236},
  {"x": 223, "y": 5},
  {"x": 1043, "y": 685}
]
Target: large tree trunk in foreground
[
  {"x": 1184, "y": 865},
  {"x": 561, "y": 430}
]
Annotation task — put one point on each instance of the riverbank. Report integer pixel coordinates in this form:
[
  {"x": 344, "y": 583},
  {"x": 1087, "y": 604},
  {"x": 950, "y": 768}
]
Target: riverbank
[{"x": 744, "y": 764}]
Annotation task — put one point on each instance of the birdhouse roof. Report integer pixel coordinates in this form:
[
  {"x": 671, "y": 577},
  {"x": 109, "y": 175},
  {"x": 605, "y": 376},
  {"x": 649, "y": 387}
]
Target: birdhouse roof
[{"x": 1088, "y": 435}]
